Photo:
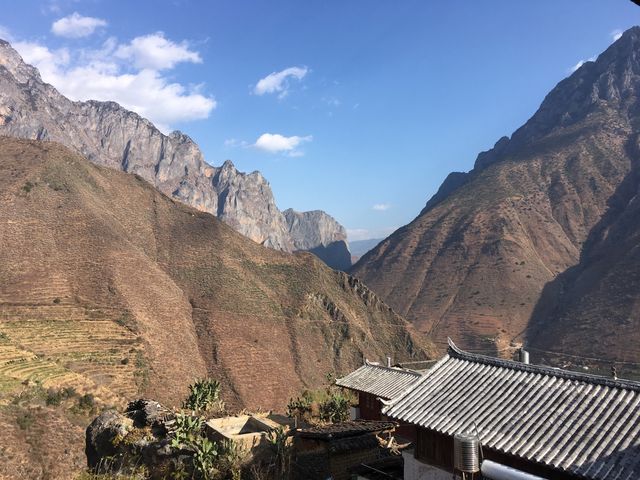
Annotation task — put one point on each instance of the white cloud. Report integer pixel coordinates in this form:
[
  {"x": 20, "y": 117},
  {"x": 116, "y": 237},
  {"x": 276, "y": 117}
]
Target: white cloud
[
  {"x": 276, "y": 143},
  {"x": 616, "y": 34},
  {"x": 76, "y": 26},
  {"x": 101, "y": 75},
  {"x": 278, "y": 82},
  {"x": 582, "y": 62},
  {"x": 381, "y": 207},
  {"x": 155, "y": 52},
  {"x": 48, "y": 62}
]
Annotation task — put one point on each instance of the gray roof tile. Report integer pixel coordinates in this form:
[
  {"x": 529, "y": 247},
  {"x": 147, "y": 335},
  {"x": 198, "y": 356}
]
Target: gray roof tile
[
  {"x": 383, "y": 382},
  {"x": 574, "y": 422}
]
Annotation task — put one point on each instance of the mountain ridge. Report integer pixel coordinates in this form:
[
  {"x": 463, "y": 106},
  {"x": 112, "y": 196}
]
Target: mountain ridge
[
  {"x": 85, "y": 246},
  {"x": 473, "y": 264},
  {"x": 110, "y": 135}
]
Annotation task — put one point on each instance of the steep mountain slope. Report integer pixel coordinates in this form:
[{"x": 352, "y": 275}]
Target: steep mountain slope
[
  {"x": 109, "y": 286},
  {"x": 110, "y": 135},
  {"x": 599, "y": 297},
  {"x": 473, "y": 264},
  {"x": 321, "y": 235}
]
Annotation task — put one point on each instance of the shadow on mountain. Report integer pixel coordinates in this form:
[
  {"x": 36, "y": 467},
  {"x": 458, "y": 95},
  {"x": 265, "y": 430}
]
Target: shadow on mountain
[
  {"x": 336, "y": 255},
  {"x": 598, "y": 297}
]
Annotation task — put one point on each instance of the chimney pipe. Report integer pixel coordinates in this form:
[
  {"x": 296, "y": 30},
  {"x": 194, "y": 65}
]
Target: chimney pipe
[
  {"x": 389, "y": 362},
  {"x": 523, "y": 355}
]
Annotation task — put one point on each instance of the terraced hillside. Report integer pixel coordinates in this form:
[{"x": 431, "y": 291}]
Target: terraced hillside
[{"x": 111, "y": 287}]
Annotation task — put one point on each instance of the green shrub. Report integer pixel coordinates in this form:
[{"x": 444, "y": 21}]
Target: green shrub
[
  {"x": 203, "y": 394},
  {"x": 205, "y": 456},
  {"x": 185, "y": 429},
  {"x": 335, "y": 408},
  {"x": 300, "y": 406},
  {"x": 56, "y": 397},
  {"x": 86, "y": 402},
  {"x": 278, "y": 441}
]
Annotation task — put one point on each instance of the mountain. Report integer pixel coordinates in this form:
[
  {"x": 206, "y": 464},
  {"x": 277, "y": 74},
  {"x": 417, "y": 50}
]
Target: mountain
[
  {"x": 110, "y": 135},
  {"x": 320, "y": 234},
  {"x": 110, "y": 286},
  {"x": 537, "y": 242},
  {"x": 359, "y": 247}
]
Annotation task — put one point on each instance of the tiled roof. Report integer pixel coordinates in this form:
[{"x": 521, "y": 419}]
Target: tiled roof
[
  {"x": 345, "y": 429},
  {"x": 383, "y": 382},
  {"x": 578, "y": 423}
]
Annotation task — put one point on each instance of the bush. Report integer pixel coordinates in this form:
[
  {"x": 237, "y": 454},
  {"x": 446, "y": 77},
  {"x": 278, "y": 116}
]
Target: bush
[
  {"x": 56, "y": 397},
  {"x": 216, "y": 460},
  {"x": 86, "y": 402},
  {"x": 203, "y": 394},
  {"x": 335, "y": 408},
  {"x": 300, "y": 406},
  {"x": 25, "y": 420},
  {"x": 278, "y": 441},
  {"x": 185, "y": 429}
]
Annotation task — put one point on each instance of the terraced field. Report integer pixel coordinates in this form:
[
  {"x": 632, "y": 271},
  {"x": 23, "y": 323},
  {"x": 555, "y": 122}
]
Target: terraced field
[{"x": 89, "y": 349}]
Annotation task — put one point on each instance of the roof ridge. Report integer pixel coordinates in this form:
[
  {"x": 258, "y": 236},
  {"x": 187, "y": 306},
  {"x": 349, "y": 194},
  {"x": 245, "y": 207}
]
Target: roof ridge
[
  {"x": 393, "y": 369},
  {"x": 455, "y": 352}
]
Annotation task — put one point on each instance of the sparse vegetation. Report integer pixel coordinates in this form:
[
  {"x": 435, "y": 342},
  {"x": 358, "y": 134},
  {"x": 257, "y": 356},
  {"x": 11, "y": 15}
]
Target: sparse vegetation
[
  {"x": 300, "y": 406},
  {"x": 25, "y": 420},
  {"x": 186, "y": 428},
  {"x": 56, "y": 396},
  {"x": 204, "y": 394},
  {"x": 281, "y": 449},
  {"x": 335, "y": 408}
]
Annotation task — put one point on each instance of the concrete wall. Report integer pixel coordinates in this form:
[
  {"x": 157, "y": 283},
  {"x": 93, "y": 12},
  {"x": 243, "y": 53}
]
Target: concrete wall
[{"x": 416, "y": 470}]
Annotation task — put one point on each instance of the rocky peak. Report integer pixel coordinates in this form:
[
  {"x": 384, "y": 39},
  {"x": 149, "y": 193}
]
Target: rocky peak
[
  {"x": 12, "y": 61},
  {"x": 610, "y": 83},
  {"x": 110, "y": 135},
  {"x": 320, "y": 233},
  {"x": 313, "y": 228}
]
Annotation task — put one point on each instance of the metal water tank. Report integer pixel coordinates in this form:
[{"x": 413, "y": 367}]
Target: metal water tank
[{"x": 466, "y": 456}]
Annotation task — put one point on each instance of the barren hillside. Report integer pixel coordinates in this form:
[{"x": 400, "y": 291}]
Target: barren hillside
[
  {"x": 112, "y": 288},
  {"x": 475, "y": 261}
]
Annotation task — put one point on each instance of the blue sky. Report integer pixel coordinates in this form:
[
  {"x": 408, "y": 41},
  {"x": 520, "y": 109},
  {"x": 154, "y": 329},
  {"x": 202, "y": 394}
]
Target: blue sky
[{"x": 356, "y": 107}]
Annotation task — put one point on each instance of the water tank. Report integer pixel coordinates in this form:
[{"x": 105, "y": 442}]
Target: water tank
[{"x": 466, "y": 453}]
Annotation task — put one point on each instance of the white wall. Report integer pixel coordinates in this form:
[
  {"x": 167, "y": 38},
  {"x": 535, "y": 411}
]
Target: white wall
[{"x": 416, "y": 470}]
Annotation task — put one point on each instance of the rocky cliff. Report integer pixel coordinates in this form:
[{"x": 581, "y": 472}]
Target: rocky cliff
[
  {"x": 530, "y": 216},
  {"x": 110, "y": 135},
  {"x": 321, "y": 234}
]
